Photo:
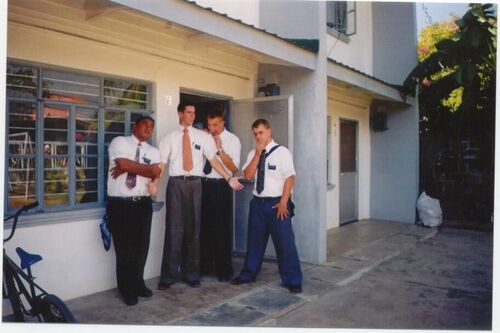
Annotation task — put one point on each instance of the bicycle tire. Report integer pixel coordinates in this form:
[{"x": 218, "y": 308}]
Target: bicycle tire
[
  {"x": 53, "y": 310},
  {"x": 13, "y": 295}
]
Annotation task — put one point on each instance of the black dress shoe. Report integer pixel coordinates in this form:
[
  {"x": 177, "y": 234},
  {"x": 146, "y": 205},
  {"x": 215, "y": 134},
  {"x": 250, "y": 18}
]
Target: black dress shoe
[
  {"x": 237, "y": 281},
  {"x": 295, "y": 288},
  {"x": 164, "y": 285},
  {"x": 145, "y": 292},
  {"x": 193, "y": 283},
  {"x": 130, "y": 299}
]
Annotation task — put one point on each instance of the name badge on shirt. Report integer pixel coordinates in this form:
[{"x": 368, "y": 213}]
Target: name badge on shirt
[
  {"x": 271, "y": 167},
  {"x": 197, "y": 147},
  {"x": 146, "y": 160}
]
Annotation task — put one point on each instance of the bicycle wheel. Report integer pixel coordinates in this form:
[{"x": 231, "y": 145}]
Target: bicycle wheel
[
  {"x": 13, "y": 295},
  {"x": 53, "y": 310}
]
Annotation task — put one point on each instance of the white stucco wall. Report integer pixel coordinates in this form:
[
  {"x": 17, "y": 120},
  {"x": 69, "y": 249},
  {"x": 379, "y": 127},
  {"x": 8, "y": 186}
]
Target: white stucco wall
[
  {"x": 76, "y": 264},
  {"x": 395, "y": 152},
  {"x": 292, "y": 19},
  {"x": 357, "y": 52},
  {"x": 357, "y": 110}
]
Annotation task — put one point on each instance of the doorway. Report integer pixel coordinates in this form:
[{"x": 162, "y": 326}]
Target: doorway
[
  {"x": 348, "y": 178},
  {"x": 204, "y": 104}
]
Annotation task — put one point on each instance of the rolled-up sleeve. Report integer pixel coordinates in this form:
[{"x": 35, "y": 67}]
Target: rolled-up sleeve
[
  {"x": 165, "y": 149},
  {"x": 235, "y": 152},
  {"x": 117, "y": 148},
  {"x": 287, "y": 164},
  {"x": 209, "y": 148}
]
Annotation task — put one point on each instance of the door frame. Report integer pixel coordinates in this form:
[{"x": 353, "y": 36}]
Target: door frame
[
  {"x": 356, "y": 185},
  {"x": 243, "y": 154}
]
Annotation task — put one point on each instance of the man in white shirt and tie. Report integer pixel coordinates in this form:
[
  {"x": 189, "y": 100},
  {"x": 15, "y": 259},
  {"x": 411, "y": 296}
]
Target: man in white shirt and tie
[
  {"x": 133, "y": 164},
  {"x": 184, "y": 151},
  {"x": 217, "y": 202},
  {"x": 271, "y": 210}
]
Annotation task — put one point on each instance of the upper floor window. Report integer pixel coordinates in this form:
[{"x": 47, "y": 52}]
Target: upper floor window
[
  {"x": 60, "y": 124},
  {"x": 341, "y": 16}
]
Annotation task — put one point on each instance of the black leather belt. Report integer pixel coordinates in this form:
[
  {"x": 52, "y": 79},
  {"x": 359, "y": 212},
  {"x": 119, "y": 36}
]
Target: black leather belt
[
  {"x": 133, "y": 199},
  {"x": 214, "y": 180},
  {"x": 186, "y": 177},
  {"x": 266, "y": 198}
]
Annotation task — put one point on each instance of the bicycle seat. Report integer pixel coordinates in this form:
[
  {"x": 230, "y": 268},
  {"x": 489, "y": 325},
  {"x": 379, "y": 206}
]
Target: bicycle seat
[{"x": 27, "y": 259}]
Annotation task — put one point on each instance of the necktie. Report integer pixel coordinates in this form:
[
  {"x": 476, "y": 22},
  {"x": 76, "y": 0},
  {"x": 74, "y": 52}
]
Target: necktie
[
  {"x": 261, "y": 168},
  {"x": 187, "y": 157},
  {"x": 132, "y": 177},
  {"x": 208, "y": 167}
]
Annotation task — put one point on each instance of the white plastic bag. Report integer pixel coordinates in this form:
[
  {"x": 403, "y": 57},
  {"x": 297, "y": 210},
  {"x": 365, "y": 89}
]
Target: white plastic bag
[{"x": 429, "y": 210}]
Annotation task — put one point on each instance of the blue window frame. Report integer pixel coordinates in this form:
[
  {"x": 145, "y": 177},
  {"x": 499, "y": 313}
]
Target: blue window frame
[{"x": 59, "y": 125}]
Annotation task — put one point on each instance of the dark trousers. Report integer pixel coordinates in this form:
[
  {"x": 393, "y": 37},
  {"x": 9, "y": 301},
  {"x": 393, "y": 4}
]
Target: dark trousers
[
  {"x": 262, "y": 222},
  {"x": 181, "y": 249},
  {"x": 130, "y": 225},
  {"x": 216, "y": 228}
]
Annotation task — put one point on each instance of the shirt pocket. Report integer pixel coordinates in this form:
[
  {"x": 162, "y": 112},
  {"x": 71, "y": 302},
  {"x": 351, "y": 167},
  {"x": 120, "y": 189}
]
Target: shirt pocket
[
  {"x": 197, "y": 149},
  {"x": 272, "y": 170}
]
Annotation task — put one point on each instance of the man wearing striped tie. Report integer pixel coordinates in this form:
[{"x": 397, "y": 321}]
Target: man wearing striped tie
[
  {"x": 271, "y": 210},
  {"x": 133, "y": 164},
  {"x": 184, "y": 151}
]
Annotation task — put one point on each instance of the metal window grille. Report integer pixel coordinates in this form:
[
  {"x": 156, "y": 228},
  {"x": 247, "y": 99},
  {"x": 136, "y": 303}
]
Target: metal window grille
[
  {"x": 341, "y": 16},
  {"x": 59, "y": 124}
]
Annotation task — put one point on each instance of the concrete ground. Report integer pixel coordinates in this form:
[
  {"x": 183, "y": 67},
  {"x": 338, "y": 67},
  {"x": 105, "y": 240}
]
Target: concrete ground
[{"x": 378, "y": 275}]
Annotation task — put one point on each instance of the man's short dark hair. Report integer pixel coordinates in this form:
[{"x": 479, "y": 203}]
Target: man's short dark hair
[
  {"x": 182, "y": 106},
  {"x": 262, "y": 122},
  {"x": 142, "y": 118},
  {"x": 215, "y": 113}
]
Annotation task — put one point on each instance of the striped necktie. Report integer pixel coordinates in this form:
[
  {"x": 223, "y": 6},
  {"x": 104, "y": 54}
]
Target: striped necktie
[{"x": 132, "y": 177}]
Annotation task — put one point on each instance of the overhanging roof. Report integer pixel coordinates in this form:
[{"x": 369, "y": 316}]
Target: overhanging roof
[
  {"x": 193, "y": 16},
  {"x": 338, "y": 71},
  {"x": 308, "y": 44}
]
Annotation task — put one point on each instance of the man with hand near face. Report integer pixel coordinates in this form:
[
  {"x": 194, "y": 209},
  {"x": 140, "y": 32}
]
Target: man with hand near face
[
  {"x": 271, "y": 165},
  {"x": 217, "y": 202},
  {"x": 185, "y": 150},
  {"x": 133, "y": 164}
]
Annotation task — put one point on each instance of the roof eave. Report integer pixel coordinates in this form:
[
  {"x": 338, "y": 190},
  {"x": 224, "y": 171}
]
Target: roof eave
[
  {"x": 195, "y": 17},
  {"x": 377, "y": 87}
]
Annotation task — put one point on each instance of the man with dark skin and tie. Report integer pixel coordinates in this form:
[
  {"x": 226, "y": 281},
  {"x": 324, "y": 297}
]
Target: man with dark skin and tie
[{"x": 133, "y": 163}]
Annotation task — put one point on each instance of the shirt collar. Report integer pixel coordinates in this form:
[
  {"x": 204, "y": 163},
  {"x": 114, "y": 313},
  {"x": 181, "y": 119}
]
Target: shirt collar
[
  {"x": 136, "y": 140},
  {"x": 181, "y": 128},
  {"x": 270, "y": 145},
  {"x": 223, "y": 133}
]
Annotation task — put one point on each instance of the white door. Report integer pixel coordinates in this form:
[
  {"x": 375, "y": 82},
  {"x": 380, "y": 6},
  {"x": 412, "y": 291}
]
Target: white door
[
  {"x": 278, "y": 110},
  {"x": 348, "y": 180}
]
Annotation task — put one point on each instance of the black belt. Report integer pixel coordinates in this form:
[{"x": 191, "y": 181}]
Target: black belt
[
  {"x": 133, "y": 199},
  {"x": 214, "y": 180},
  {"x": 264, "y": 199},
  {"x": 186, "y": 177}
]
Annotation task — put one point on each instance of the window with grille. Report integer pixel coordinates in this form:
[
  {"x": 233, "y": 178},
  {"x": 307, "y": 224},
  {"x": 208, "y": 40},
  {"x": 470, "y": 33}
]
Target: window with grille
[
  {"x": 341, "y": 16},
  {"x": 59, "y": 125}
]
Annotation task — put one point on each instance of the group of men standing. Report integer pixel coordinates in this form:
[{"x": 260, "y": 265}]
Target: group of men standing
[{"x": 198, "y": 236}]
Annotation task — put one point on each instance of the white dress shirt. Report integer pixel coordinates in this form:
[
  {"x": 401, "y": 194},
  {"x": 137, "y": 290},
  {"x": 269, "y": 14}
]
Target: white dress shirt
[
  {"x": 279, "y": 166},
  {"x": 202, "y": 146},
  {"x": 125, "y": 147},
  {"x": 232, "y": 147}
]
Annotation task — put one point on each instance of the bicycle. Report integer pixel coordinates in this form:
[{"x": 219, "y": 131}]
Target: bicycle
[{"x": 44, "y": 306}]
